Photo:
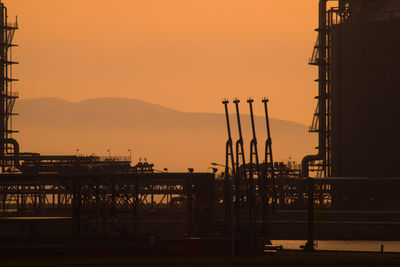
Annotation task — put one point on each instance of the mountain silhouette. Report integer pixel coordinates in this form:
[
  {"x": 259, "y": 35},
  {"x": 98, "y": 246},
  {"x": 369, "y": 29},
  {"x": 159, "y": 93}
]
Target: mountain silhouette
[{"x": 168, "y": 138}]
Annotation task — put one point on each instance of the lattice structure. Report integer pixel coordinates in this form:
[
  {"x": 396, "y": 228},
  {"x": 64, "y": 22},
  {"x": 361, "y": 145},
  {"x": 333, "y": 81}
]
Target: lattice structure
[
  {"x": 337, "y": 12},
  {"x": 8, "y": 96},
  {"x": 115, "y": 204}
]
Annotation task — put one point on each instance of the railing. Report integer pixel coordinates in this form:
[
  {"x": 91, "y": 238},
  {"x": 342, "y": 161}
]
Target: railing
[
  {"x": 113, "y": 158},
  {"x": 13, "y": 94},
  {"x": 315, "y": 54},
  {"x": 315, "y": 122}
]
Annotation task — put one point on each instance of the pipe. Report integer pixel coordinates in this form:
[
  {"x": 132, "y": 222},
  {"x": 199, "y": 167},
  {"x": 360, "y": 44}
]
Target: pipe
[
  {"x": 16, "y": 157},
  {"x": 321, "y": 92}
]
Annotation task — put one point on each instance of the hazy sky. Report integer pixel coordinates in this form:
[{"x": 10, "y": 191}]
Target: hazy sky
[{"x": 183, "y": 54}]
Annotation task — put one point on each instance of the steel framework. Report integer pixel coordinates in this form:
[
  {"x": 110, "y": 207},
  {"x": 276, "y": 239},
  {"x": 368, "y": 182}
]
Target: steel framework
[
  {"x": 115, "y": 204},
  {"x": 337, "y": 12},
  {"x": 8, "y": 96},
  {"x": 253, "y": 184}
]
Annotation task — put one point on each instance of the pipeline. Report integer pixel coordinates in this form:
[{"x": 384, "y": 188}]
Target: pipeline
[
  {"x": 16, "y": 156},
  {"x": 321, "y": 92}
]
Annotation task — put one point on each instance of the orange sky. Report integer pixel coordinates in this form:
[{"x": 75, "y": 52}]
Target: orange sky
[{"x": 184, "y": 54}]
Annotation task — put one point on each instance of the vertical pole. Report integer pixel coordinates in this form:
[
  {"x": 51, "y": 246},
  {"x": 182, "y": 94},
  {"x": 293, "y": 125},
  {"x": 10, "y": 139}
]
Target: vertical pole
[
  {"x": 3, "y": 115},
  {"x": 4, "y": 199},
  {"x": 189, "y": 209},
  {"x": 24, "y": 198},
  {"x": 229, "y": 158},
  {"x": 328, "y": 171},
  {"x": 76, "y": 203},
  {"x": 268, "y": 153},
  {"x": 98, "y": 215},
  {"x": 136, "y": 203},
  {"x": 35, "y": 203},
  {"x": 53, "y": 196},
  {"x": 322, "y": 63},
  {"x": 17, "y": 204},
  {"x": 269, "y": 162},
  {"x": 6, "y": 83},
  {"x": 59, "y": 196},
  {"x": 152, "y": 198},
  {"x": 240, "y": 157},
  {"x": 310, "y": 220},
  {"x": 255, "y": 166},
  {"x": 113, "y": 202},
  {"x": 40, "y": 199}
]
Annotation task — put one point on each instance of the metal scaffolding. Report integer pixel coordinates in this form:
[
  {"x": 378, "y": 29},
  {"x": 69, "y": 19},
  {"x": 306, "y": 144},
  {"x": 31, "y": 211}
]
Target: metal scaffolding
[
  {"x": 7, "y": 96},
  {"x": 337, "y": 12},
  {"x": 110, "y": 204}
]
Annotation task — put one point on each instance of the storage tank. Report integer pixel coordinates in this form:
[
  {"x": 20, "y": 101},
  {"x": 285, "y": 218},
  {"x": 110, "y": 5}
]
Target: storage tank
[{"x": 366, "y": 92}]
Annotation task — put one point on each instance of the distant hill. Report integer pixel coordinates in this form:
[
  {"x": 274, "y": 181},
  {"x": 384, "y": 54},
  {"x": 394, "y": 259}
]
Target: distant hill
[{"x": 170, "y": 139}]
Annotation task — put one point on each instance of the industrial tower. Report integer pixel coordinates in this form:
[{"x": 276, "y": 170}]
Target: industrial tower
[
  {"x": 8, "y": 95},
  {"x": 356, "y": 56}
]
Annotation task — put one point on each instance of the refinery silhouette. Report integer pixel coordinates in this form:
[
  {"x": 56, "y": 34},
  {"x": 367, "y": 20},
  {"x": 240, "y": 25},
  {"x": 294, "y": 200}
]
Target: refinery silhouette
[{"x": 346, "y": 190}]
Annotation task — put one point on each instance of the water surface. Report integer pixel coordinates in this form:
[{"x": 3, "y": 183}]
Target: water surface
[{"x": 353, "y": 245}]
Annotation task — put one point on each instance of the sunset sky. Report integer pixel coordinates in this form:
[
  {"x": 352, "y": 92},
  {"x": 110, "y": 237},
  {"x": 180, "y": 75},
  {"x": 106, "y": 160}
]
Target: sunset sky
[{"x": 183, "y": 54}]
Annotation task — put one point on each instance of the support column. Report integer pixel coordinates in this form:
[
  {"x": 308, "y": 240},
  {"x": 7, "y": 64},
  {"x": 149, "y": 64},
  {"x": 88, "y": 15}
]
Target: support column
[{"x": 310, "y": 220}]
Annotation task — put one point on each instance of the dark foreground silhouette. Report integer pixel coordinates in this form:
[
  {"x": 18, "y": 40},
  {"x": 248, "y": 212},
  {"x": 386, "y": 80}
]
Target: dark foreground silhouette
[{"x": 284, "y": 258}]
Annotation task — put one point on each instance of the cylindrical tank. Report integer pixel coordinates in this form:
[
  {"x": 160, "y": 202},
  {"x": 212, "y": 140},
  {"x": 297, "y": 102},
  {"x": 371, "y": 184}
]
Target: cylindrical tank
[{"x": 366, "y": 95}]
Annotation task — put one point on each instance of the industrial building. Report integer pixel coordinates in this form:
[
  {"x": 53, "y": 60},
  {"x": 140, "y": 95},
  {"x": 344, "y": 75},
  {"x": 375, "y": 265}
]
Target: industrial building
[
  {"x": 353, "y": 196},
  {"x": 356, "y": 54}
]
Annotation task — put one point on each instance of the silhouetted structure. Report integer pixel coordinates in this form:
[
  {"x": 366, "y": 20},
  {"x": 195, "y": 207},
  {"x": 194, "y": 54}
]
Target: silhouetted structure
[
  {"x": 114, "y": 204},
  {"x": 12, "y": 160},
  {"x": 357, "y": 54},
  {"x": 96, "y": 196},
  {"x": 252, "y": 184},
  {"x": 7, "y": 96}
]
